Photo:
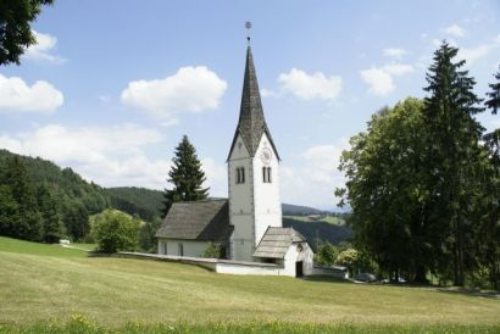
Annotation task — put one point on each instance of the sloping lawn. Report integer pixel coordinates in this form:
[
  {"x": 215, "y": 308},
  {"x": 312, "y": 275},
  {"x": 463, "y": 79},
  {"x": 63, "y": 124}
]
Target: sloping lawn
[
  {"x": 41, "y": 282},
  {"x": 26, "y": 247}
]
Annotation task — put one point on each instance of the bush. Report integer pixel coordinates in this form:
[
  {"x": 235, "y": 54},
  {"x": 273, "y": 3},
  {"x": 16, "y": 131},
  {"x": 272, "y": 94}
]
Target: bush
[
  {"x": 326, "y": 255},
  {"x": 213, "y": 251},
  {"x": 115, "y": 231}
]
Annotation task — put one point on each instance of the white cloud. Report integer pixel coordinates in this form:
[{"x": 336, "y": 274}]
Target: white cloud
[
  {"x": 313, "y": 178},
  {"x": 109, "y": 156},
  {"x": 395, "y": 52},
  {"x": 191, "y": 89},
  {"x": 454, "y": 30},
  {"x": 398, "y": 69},
  {"x": 216, "y": 174},
  {"x": 380, "y": 79},
  {"x": 17, "y": 96},
  {"x": 41, "y": 51},
  {"x": 310, "y": 86},
  {"x": 471, "y": 55}
]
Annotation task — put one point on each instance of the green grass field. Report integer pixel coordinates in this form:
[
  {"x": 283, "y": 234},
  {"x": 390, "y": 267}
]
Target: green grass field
[{"x": 43, "y": 286}]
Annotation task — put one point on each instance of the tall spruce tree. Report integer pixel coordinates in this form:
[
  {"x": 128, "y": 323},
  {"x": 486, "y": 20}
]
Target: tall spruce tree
[
  {"x": 492, "y": 139},
  {"x": 490, "y": 231},
  {"x": 186, "y": 176},
  {"x": 453, "y": 159}
]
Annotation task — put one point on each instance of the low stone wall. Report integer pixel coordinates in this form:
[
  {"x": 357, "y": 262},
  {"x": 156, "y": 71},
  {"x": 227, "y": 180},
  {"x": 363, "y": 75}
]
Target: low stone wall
[
  {"x": 216, "y": 265},
  {"x": 237, "y": 267},
  {"x": 248, "y": 268},
  {"x": 331, "y": 272}
]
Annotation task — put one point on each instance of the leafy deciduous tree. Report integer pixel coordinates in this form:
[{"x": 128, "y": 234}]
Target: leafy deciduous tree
[
  {"x": 15, "y": 30},
  {"x": 115, "y": 231}
]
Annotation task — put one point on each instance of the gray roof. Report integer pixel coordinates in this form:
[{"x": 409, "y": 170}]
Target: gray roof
[
  {"x": 252, "y": 124},
  {"x": 276, "y": 241},
  {"x": 206, "y": 220}
]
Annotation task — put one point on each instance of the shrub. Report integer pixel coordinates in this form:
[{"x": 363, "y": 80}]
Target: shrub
[
  {"x": 326, "y": 255},
  {"x": 213, "y": 251},
  {"x": 115, "y": 231}
]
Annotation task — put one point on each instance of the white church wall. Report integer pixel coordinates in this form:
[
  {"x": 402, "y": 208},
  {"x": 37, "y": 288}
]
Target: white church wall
[
  {"x": 240, "y": 203},
  {"x": 297, "y": 253},
  {"x": 190, "y": 248},
  {"x": 266, "y": 195}
]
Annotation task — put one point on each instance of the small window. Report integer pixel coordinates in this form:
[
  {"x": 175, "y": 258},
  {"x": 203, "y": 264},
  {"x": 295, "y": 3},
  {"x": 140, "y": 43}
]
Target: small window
[
  {"x": 240, "y": 175},
  {"x": 181, "y": 250},
  {"x": 165, "y": 249},
  {"x": 266, "y": 174}
]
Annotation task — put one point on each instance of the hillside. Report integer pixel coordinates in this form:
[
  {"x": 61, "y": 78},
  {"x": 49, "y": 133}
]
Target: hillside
[
  {"x": 68, "y": 283},
  {"x": 147, "y": 202},
  {"x": 143, "y": 202},
  {"x": 320, "y": 231},
  {"x": 68, "y": 186},
  {"x": 72, "y": 191}
]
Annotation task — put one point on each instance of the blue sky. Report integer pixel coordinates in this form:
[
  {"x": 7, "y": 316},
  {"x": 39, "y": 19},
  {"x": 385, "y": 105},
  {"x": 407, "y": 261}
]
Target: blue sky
[{"x": 113, "y": 85}]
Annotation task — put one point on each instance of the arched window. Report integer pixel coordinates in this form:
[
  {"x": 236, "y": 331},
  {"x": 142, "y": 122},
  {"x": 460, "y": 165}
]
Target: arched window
[
  {"x": 268, "y": 174},
  {"x": 242, "y": 174},
  {"x": 238, "y": 177}
]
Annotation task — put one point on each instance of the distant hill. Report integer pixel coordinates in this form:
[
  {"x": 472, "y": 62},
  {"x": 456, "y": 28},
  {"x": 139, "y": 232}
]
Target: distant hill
[
  {"x": 143, "y": 202},
  {"x": 319, "y": 231},
  {"x": 68, "y": 187},
  {"x": 293, "y": 210},
  {"x": 71, "y": 189},
  {"x": 147, "y": 203}
]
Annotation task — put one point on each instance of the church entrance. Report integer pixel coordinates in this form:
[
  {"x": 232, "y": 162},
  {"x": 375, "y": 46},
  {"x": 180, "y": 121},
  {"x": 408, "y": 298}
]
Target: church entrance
[{"x": 299, "y": 269}]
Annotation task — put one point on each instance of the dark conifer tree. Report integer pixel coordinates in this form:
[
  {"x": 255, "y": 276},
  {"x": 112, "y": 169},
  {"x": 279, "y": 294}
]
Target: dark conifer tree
[
  {"x": 186, "y": 176},
  {"x": 52, "y": 224},
  {"x": 490, "y": 231},
  {"x": 454, "y": 157},
  {"x": 492, "y": 138},
  {"x": 28, "y": 222},
  {"x": 76, "y": 220}
]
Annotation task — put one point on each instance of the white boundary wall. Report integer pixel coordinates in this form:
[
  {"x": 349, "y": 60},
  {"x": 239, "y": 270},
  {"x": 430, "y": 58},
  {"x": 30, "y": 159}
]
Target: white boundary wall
[
  {"x": 220, "y": 266},
  {"x": 249, "y": 268}
]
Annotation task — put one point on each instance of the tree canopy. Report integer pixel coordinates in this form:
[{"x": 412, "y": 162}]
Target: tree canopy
[
  {"x": 114, "y": 231},
  {"x": 15, "y": 31},
  {"x": 422, "y": 186}
]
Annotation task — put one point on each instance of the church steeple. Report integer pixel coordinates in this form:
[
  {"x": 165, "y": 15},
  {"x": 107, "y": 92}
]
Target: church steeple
[
  {"x": 252, "y": 123},
  {"x": 253, "y": 172}
]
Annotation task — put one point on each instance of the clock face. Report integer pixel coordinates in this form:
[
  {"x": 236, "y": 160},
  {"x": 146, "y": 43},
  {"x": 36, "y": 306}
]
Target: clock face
[{"x": 266, "y": 155}]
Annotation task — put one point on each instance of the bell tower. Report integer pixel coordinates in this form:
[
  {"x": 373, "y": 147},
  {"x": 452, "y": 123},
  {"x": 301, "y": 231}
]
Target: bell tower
[{"x": 253, "y": 172}]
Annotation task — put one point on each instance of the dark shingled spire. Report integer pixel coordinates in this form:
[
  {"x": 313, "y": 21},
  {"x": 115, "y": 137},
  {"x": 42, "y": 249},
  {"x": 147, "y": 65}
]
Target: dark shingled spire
[{"x": 252, "y": 124}]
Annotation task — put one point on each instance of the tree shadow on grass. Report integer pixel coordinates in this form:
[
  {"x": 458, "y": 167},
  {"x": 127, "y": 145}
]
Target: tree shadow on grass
[{"x": 490, "y": 294}]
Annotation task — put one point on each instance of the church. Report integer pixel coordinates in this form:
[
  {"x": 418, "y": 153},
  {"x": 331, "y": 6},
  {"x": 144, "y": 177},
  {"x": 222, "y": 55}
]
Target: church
[{"x": 248, "y": 225}]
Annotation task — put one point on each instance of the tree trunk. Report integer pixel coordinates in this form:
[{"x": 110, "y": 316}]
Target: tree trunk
[{"x": 420, "y": 275}]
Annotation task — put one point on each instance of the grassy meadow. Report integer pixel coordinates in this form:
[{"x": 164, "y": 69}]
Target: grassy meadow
[{"x": 45, "y": 288}]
